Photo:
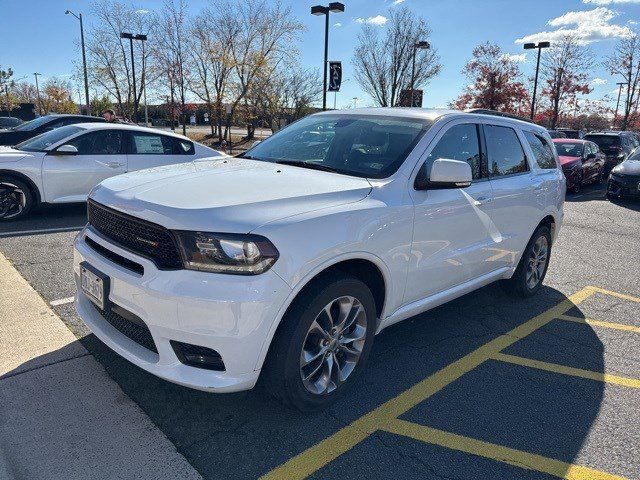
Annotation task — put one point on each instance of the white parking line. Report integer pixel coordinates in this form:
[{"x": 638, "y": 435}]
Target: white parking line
[
  {"x": 62, "y": 301},
  {"x": 43, "y": 230}
]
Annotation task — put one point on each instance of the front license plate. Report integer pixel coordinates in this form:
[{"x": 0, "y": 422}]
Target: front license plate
[{"x": 94, "y": 284}]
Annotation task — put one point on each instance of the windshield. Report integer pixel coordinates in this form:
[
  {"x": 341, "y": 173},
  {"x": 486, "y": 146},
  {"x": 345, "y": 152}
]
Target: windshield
[
  {"x": 45, "y": 140},
  {"x": 32, "y": 124},
  {"x": 604, "y": 141},
  {"x": 569, "y": 149},
  {"x": 360, "y": 145}
]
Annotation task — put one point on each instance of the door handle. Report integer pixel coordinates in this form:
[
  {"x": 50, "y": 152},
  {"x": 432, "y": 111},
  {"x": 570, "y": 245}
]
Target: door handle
[{"x": 114, "y": 164}]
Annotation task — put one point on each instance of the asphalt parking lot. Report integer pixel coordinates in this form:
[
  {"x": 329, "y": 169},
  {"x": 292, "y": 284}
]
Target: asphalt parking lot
[{"x": 484, "y": 387}]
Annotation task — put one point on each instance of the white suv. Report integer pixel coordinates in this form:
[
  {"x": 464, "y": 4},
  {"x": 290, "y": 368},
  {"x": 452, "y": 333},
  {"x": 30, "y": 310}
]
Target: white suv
[{"x": 289, "y": 259}]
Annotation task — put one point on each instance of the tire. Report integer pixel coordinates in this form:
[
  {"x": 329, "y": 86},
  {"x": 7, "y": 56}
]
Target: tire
[
  {"x": 296, "y": 342},
  {"x": 16, "y": 199},
  {"x": 519, "y": 284},
  {"x": 577, "y": 186}
]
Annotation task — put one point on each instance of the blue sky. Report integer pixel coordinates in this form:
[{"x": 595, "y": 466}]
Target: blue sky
[{"x": 37, "y": 36}]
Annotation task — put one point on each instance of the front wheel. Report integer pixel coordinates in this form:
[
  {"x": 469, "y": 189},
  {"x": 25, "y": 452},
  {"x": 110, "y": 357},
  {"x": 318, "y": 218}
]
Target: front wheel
[
  {"x": 322, "y": 344},
  {"x": 16, "y": 199},
  {"x": 528, "y": 277}
]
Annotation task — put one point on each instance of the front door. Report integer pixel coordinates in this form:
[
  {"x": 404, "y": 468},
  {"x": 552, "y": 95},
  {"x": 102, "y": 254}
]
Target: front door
[
  {"x": 452, "y": 230},
  {"x": 70, "y": 178}
]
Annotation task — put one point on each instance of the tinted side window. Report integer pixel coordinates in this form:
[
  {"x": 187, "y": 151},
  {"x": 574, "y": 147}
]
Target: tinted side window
[
  {"x": 151, "y": 144},
  {"x": 104, "y": 142},
  {"x": 504, "y": 151},
  {"x": 459, "y": 143},
  {"x": 541, "y": 150}
]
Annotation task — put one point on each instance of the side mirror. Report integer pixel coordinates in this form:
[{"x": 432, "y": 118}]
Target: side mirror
[
  {"x": 65, "y": 150},
  {"x": 445, "y": 173},
  {"x": 590, "y": 156}
]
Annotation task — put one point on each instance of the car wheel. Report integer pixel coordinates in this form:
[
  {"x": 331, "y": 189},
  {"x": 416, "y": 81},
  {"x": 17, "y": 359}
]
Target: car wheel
[
  {"x": 16, "y": 199},
  {"x": 577, "y": 186},
  {"x": 528, "y": 277},
  {"x": 322, "y": 344}
]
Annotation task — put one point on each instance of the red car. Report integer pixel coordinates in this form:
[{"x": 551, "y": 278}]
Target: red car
[{"x": 582, "y": 162}]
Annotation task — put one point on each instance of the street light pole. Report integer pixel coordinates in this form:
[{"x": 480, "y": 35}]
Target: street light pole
[
  {"x": 144, "y": 85},
  {"x": 38, "y": 93},
  {"x": 615, "y": 116},
  {"x": 335, "y": 7},
  {"x": 131, "y": 38},
  {"x": 84, "y": 60},
  {"x": 418, "y": 45},
  {"x": 539, "y": 46}
]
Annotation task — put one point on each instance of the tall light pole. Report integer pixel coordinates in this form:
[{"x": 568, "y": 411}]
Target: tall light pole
[
  {"x": 131, "y": 38},
  {"x": 84, "y": 60},
  {"x": 335, "y": 7},
  {"x": 355, "y": 102},
  {"x": 38, "y": 93},
  {"x": 615, "y": 116},
  {"x": 539, "y": 46},
  {"x": 422, "y": 45}
]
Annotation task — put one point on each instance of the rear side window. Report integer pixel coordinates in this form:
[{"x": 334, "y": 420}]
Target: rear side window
[
  {"x": 460, "y": 142},
  {"x": 541, "y": 150},
  {"x": 504, "y": 151},
  {"x": 151, "y": 144}
]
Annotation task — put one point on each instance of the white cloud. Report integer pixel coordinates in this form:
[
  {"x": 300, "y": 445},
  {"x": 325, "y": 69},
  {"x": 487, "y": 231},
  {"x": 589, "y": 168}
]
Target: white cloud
[
  {"x": 598, "y": 81},
  {"x": 397, "y": 2},
  {"x": 142, "y": 11},
  {"x": 609, "y": 2},
  {"x": 587, "y": 26},
  {"x": 517, "y": 57},
  {"x": 378, "y": 20},
  {"x": 337, "y": 24}
]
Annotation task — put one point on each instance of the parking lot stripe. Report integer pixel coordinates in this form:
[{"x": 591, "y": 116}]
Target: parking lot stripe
[
  {"x": 39, "y": 231},
  {"x": 62, "y": 301},
  {"x": 317, "y": 456},
  {"x": 611, "y": 293},
  {"x": 575, "y": 372},
  {"x": 499, "y": 453},
  {"x": 600, "y": 323}
]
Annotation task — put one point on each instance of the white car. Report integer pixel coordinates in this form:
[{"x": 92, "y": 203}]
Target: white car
[
  {"x": 64, "y": 164},
  {"x": 287, "y": 261}
]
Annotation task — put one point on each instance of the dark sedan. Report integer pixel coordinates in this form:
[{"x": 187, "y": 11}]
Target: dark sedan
[
  {"x": 9, "y": 122},
  {"x": 615, "y": 145},
  {"x": 624, "y": 180},
  {"x": 582, "y": 162},
  {"x": 27, "y": 130}
]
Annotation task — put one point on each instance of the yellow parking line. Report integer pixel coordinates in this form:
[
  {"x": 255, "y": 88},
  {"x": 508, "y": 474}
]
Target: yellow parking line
[
  {"x": 317, "y": 456},
  {"x": 575, "y": 372},
  {"x": 499, "y": 453},
  {"x": 600, "y": 323},
  {"x": 623, "y": 296}
]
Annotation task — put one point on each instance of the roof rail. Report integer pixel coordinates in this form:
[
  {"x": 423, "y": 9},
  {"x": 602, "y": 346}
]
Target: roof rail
[{"x": 486, "y": 111}]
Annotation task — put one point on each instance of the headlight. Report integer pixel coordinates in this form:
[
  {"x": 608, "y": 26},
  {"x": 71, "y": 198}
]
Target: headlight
[{"x": 226, "y": 253}]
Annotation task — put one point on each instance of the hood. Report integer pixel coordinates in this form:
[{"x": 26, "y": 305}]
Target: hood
[
  {"x": 229, "y": 195},
  {"x": 8, "y": 154},
  {"x": 628, "y": 167},
  {"x": 567, "y": 161}
]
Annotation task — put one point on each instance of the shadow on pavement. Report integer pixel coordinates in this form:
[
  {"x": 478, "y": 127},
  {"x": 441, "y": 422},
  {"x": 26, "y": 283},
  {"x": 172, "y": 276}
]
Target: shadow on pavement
[
  {"x": 247, "y": 434},
  {"x": 47, "y": 219}
]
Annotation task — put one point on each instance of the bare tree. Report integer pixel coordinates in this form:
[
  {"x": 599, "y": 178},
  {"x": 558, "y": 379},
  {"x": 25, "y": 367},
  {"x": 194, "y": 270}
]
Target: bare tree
[
  {"x": 383, "y": 63},
  {"x": 109, "y": 64},
  {"x": 565, "y": 69},
  {"x": 625, "y": 62},
  {"x": 261, "y": 36}
]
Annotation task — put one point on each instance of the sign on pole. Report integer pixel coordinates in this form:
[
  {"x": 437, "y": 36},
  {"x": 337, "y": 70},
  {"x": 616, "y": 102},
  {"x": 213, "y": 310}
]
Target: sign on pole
[{"x": 335, "y": 76}]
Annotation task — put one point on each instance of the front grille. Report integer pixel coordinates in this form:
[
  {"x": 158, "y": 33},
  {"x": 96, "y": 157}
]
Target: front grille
[
  {"x": 115, "y": 258},
  {"x": 139, "y": 236},
  {"x": 138, "y": 332}
]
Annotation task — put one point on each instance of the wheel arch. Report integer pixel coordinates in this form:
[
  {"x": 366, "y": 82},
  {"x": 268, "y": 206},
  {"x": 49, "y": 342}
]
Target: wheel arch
[
  {"x": 24, "y": 178},
  {"x": 364, "y": 266}
]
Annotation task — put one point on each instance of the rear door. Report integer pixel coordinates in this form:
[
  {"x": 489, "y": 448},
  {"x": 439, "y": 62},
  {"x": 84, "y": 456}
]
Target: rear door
[
  {"x": 69, "y": 178},
  {"x": 148, "y": 150}
]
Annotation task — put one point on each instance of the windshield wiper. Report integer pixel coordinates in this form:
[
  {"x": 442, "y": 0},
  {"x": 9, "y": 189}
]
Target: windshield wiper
[{"x": 313, "y": 166}]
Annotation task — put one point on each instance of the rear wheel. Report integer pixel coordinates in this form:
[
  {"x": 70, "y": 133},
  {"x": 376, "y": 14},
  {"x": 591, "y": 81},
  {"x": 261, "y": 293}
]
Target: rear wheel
[
  {"x": 528, "y": 277},
  {"x": 322, "y": 344},
  {"x": 16, "y": 199}
]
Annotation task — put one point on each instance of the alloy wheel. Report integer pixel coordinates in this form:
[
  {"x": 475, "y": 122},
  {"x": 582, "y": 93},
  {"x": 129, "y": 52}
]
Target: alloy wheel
[
  {"x": 537, "y": 261},
  {"x": 333, "y": 345},
  {"x": 12, "y": 200}
]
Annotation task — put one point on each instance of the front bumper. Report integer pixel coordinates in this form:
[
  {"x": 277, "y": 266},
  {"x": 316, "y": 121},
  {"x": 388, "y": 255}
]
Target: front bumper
[
  {"x": 229, "y": 314},
  {"x": 628, "y": 185}
]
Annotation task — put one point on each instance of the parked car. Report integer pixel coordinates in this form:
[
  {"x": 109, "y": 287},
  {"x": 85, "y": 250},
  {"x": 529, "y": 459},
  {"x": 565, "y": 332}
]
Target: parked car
[
  {"x": 571, "y": 133},
  {"x": 9, "y": 122},
  {"x": 46, "y": 123},
  {"x": 63, "y": 165},
  {"x": 624, "y": 180},
  {"x": 582, "y": 162},
  {"x": 615, "y": 145},
  {"x": 286, "y": 261},
  {"x": 557, "y": 134}
]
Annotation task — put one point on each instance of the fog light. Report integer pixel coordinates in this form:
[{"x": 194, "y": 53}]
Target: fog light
[{"x": 197, "y": 356}]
